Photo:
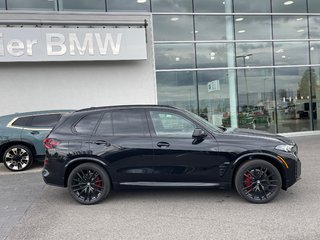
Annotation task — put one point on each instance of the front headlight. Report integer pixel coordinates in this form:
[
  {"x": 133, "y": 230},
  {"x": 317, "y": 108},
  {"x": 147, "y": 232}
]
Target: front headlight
[{"x": 285, "y": 148}]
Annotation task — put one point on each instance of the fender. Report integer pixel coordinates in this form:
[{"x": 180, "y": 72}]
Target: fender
[{"x": 91, "y": 159}]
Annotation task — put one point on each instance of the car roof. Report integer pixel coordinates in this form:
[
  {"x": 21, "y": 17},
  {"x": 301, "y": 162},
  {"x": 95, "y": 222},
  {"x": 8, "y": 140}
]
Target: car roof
[{"x": 124, "y": 107}]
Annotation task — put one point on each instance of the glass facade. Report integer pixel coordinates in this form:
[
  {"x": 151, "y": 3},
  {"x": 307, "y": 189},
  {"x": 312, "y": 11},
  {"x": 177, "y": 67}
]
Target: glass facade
[{"x": 252, "y": 64}]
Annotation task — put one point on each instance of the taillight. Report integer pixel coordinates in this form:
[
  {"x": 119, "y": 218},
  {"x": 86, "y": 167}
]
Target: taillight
[{"x": 50, "y": 143}]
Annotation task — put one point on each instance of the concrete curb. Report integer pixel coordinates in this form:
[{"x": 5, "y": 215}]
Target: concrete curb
[{"x": 300, "y": 134}]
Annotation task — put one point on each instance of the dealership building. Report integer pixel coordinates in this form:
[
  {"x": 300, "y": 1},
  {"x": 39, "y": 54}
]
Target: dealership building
[{"x": 239, "y": 63}]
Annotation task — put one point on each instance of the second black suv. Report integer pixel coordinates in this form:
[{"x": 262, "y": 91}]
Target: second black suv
[{"x": 94, "y": 150}]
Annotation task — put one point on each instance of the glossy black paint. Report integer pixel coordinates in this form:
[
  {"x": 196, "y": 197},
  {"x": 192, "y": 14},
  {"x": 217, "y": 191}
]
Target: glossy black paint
[{"x": 155, "y": 161}]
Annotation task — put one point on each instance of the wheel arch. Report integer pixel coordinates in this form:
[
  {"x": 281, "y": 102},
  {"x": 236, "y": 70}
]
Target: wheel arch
[
  {"x": 6, "y": 145},
  {"x": 261, "y": 156}
]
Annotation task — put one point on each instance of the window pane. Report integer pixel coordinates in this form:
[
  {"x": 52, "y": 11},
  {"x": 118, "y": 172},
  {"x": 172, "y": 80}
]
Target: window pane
[
  {"x": 286, "y": 53},
  {"x": 314, "y": 27},
  {"x": 171, "y": 125},
  {"x": 22, "y": 122},
  {"x": 254, "y": 54},
  {"x": 128, "y": 5},
  {"x": 171, "y": 5},
  {"x": 214, "y": 97},
  {"x": 87, "y": 124},
  {"x": 210, "y": 27},
  {"x": 211, "y": 55},
  {"x": 293, "y": 96},
  {"x": 313, "y": 6},
  {"x": 315, "y": 52},
  {"x": 2, "y": 5},
  {"x": 31, "y": 5},
  {"x": 211, "y": 6},
  {"x": 252, "y": 27},
  {"x": 82, "y": 5},
  {"x": 290, "y": 27},
  {"x": 105, "y": 126},
  {"x": 45, "y": 120},
  {"x": 286, "y": 6},
  {"x": 177, "y": 89},
  {"x": 171, "y": 56},
  {"x": 315, "y": 81},
  {"x": 173, "y": 27},
  {"x": 129, "y": 123},
  {"x": 260, "y": 6},
  {"x": 256, "y": 99}
]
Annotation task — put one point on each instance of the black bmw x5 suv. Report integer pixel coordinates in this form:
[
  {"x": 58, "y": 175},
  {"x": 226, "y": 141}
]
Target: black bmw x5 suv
[{"x": 92, "y": 151}]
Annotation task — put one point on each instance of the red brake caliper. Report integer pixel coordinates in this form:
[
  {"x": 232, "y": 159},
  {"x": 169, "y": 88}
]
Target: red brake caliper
[
  {"x": 98, "y": 182},
  {"x": 248, "y": 180}
]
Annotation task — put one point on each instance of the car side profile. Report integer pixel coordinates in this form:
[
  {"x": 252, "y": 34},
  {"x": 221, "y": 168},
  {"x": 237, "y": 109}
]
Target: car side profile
[
  {"x": 22, "y": 135},
  {"x": 92, "y": 151}
]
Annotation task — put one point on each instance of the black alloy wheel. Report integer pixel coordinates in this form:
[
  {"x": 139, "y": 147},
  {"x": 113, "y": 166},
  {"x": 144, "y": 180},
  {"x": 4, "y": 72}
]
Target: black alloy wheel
[
  {"x": 17, "y": 158},
  {"x": 258, "y": 181},
  {"x": 89, "y": 183}
]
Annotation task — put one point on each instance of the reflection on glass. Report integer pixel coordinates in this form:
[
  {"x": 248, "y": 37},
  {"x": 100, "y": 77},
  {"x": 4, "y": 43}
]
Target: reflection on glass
[
  {"x": 210, "y": 55},
  {"x": 256, "y": 99},
  {"x": 252, "y": 27},
  {"x": 314, "y": 23},
  {"x": 2, "y": 5},
  {"x": 254, "y": 54},
  {"x": 315, "y": 80},
  {"x": 171, "y": 5},
  {"x": 209, "y": 6},
  {"x": 128, "y": 5},
  {"x": 177, "y": 89},
  {"x": 173, "y": 56},
  {"x": 214, "y": 97},
  {"x": 173, "y": 27},
  {"x": 261, "y": 6},
  {"x": 82, "y": 5},
  {"x": 31, "y": 5},
  {"x": 293, "y": 96},
  {"x": 210, "y": 27},
  {"x": 293, "y": 27},
  {"x": 313, "y": 6},
  {"x": 289, "y": 6},
  {"x": 315, "y": 52},
  {"x": 287, "y": 53}
]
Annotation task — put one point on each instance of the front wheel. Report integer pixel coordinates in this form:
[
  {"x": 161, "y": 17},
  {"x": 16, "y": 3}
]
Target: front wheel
[
  {"x": 17, "y": 158},
  {"x": 89, "y": 183},
  {"x": 258, "y": 181}
]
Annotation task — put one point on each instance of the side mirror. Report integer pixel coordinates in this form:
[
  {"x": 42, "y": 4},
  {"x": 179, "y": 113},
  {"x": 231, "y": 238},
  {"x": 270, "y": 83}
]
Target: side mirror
[{"x": 198, "y": 133}]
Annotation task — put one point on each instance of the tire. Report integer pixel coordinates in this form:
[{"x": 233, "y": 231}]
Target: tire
[
  {"x": 258, "y": 181},
  {"x": 17, "y": 158},
  {"x": 89, "y": 183}
]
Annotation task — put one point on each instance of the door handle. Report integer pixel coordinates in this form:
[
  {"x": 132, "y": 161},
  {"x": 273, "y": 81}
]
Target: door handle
[
  {"x": 101, "y": 142},
  {"x": 163, "y": 144},
  {"x": 35, "y": 132}
]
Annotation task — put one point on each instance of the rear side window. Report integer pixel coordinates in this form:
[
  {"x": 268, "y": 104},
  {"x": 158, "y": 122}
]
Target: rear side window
[
  {"x": 45, "y": 120},
  {"x": 87, "y": 124},
  {"x": 105, "y": 126},
  {"x": 22, "y": 122}
]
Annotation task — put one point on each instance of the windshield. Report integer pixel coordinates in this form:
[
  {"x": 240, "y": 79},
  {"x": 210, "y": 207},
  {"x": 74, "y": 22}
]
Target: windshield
[{"x": 207, "y": 124}]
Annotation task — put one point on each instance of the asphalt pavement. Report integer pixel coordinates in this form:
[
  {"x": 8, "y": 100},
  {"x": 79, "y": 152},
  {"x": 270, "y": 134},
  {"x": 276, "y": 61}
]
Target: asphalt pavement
[{"x": 29, "y": 209}]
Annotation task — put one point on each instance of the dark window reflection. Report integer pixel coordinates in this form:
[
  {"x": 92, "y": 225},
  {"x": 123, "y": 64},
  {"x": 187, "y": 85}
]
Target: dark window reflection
[
  {"x": 171, "y": 5},
  {"x": 32, "y": 5},
  {"x": 287, "y": 53},
  {"x": 315, "y": 81},
  {"x": 2, "y": 5},
  {"x": 171, "y": 56},
  {"x": 314, "y": 23},
  {"x": 289, "y": 6},
  {"x": 177, "y": 89},
  {"x": 256, "y": 99},
  {"x": 252, "y": 6},
  {"x": 293, "y": 96},
  {"x": 313, "y": 6},
  {"x": 315, "y": 52},
  {"x": 82, "y": 5},
  {"x": 128, "y": 5},
  {"x": 211, "y": 55},
  {"x": 285, "y": 27},
  {"x": 252, "y": 27},
  {"x": 209, "y": 6},
  {"x": 173, "y": 27},
  {"x": 254, "y": 54},
  {"x": 210, "y": 27},
  {"x": 214, "y": 97}
]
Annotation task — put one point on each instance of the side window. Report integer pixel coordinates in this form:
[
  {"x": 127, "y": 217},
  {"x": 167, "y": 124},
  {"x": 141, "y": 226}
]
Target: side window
[
  {"x": 87, "y": 124},
  {"x": 22, "y": 122},
  {"x": 171, "y": 125},
  {"x": 105, "y": 126},
  {"x": 129, "y": 122},
  {"x": 48, "y": 121}
]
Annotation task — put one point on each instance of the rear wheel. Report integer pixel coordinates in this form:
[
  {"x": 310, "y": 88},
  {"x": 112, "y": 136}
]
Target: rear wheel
[
  {"x": 89, "y": 183},
  {"x": 17, "y": 158},
  {"x": 258, "y": 181}
]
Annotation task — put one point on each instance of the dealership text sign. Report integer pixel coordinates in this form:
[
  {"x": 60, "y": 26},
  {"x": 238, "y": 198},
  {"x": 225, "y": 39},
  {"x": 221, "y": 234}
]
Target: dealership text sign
[{"x": 72, "y": 44}]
